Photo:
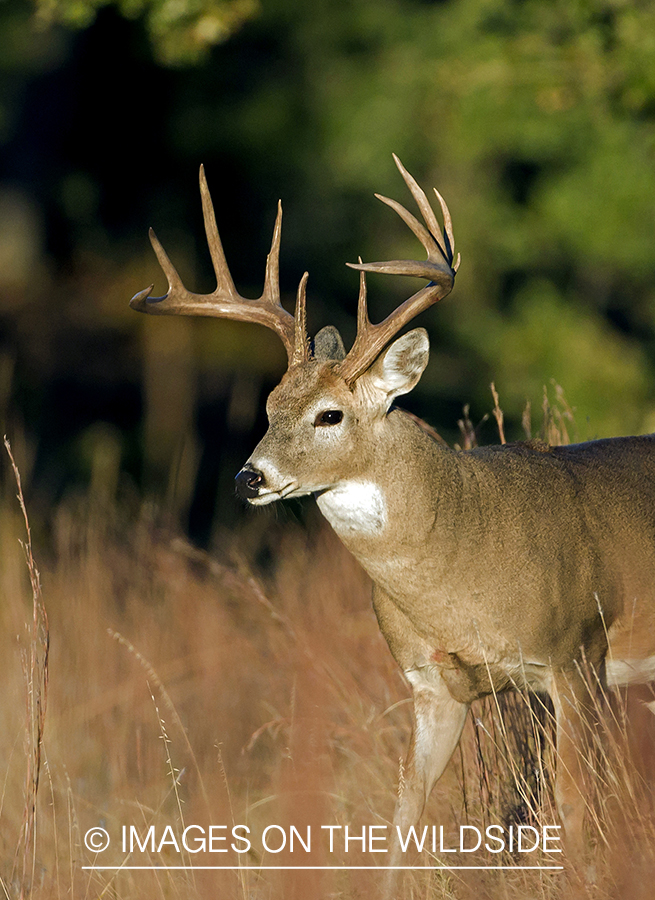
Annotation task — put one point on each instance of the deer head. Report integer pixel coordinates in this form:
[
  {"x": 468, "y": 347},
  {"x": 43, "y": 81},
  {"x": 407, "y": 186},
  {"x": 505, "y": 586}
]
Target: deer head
[{"x": 324, "y": 413}]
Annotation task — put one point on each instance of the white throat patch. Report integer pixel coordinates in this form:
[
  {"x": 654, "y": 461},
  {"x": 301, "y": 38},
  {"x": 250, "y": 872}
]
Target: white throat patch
[{"x": 354, "y": 507}]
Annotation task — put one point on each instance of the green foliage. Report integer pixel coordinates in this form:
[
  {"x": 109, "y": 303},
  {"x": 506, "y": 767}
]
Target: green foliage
[
  {"x": 182, "y": 31},
  {"x": 537, "y": 121},
  {"x": 535, "y": 118},
  {"x": 551, "y": 334}
]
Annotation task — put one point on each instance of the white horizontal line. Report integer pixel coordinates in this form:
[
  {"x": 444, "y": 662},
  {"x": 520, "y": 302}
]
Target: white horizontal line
[{"x": 312, "y": 868}]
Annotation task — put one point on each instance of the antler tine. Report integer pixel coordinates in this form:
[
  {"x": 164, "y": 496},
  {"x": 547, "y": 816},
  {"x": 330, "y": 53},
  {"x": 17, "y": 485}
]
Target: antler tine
[
  {"x": 225, "y": 302},
  {"x": 272, "y": 275},
  {"x": 438, "y": 268},
  {"x": 224, "y": 282},
  {"x": 301, "y": 341},
  {"x": 363, "y": 321},
  {"x": 448, "y": 231},
  {"x": 423, "y": 203}
]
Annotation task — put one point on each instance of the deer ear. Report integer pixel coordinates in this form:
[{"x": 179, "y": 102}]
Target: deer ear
[
  {"x": 329, "y": 345},
  {"x": 398, "y": 368}
]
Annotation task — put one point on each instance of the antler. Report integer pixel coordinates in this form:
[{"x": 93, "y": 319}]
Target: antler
[
  {"x": 225, "y": 302},
  {"x": 438, "y": 268}
]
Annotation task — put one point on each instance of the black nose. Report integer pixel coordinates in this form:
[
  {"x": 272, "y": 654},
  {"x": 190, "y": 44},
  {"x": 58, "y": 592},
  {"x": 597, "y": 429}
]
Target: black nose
[{"x": 248, "y": 483}]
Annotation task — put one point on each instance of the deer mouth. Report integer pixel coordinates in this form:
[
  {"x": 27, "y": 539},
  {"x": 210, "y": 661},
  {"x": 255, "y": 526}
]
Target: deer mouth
[
  {"x": 267, "y": 495},
  {"x": 290, "y": 490}
]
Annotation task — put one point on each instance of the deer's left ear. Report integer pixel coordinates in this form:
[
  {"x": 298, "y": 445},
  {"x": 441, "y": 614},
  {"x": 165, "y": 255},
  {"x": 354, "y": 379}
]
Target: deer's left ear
[{"x": 398, "y": 368}]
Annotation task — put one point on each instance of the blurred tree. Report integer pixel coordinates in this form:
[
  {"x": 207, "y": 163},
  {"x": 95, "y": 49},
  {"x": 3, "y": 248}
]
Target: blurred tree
[
  {"x": 181, "y": 31},
  {"x": 536, "y": 118}
]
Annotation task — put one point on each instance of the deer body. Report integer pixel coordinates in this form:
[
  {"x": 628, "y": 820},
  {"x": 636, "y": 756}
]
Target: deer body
[
  {"x": 495, "y": 568},
  {"x": 500, "y": 563}
]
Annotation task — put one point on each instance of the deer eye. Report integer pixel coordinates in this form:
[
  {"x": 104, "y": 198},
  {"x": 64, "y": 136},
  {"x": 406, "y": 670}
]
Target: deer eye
[{"x": 328, "y": 417}]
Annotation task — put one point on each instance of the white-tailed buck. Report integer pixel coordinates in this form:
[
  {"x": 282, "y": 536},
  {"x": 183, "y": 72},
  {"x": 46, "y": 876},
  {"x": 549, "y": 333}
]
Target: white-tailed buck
[{"x": 495, "y": 568}]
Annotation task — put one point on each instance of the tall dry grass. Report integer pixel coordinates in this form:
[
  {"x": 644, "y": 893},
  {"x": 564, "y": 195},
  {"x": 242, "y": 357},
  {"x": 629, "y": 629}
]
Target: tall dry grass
[{"x": 188, "y": 689}]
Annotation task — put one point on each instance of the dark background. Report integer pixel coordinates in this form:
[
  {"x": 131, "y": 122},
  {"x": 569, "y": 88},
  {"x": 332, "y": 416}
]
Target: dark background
[{"x": 536, "y": 120}]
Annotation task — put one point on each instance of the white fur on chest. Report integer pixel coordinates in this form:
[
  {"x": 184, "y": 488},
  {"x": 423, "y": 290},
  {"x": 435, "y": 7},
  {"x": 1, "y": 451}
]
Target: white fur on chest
[{"x": 354, "y": 507}]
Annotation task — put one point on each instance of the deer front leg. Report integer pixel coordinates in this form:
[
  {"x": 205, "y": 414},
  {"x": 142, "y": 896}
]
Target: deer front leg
[{"x": 439, "y": 720}]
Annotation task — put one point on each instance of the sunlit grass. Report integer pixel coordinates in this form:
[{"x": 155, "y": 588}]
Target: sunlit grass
[{"x": 188, "y": 689}]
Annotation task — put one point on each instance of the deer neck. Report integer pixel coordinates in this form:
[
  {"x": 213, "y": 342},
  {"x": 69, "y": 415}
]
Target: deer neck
[{"x": 391, "y": 504}]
